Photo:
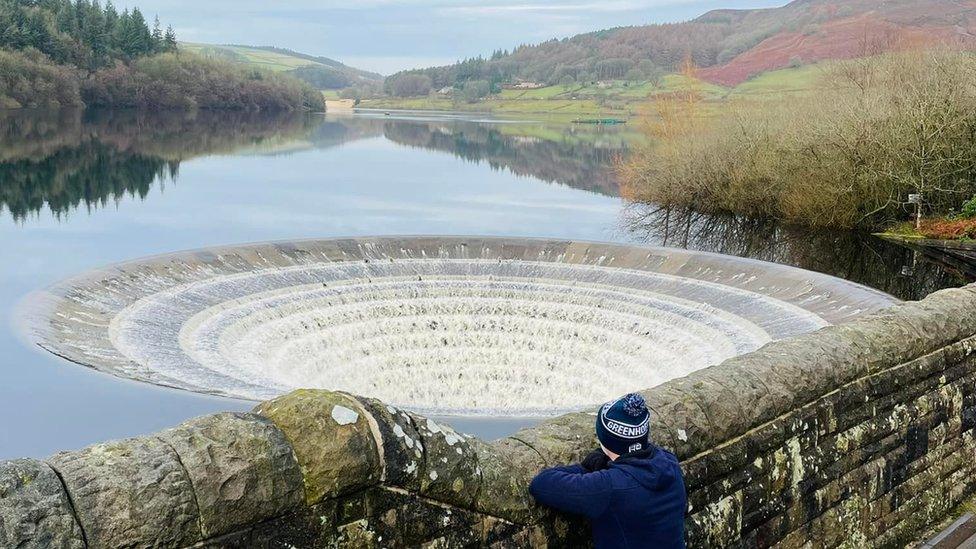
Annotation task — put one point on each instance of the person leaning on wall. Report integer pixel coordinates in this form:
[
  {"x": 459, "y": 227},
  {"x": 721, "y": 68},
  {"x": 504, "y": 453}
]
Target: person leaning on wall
[{"x": 632, "y": 492}]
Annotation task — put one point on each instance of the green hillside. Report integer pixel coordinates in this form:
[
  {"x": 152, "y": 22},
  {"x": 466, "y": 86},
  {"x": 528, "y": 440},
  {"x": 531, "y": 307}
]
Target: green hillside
[
  {"x": 784, "y": 81},
  {"x": 321, "y": 72},
  {"x": 616, "y": 97}
]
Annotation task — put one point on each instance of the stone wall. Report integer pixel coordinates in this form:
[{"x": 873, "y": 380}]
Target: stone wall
[{"x": 856, "y": 435}]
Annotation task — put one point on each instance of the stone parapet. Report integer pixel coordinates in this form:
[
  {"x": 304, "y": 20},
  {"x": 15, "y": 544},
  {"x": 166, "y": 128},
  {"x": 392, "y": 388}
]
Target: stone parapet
[{"x": 856, "y": 435}]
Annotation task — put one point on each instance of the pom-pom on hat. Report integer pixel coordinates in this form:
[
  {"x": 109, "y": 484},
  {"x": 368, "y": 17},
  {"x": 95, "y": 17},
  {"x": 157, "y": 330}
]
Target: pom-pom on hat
[{"x": 623, "y": 425}]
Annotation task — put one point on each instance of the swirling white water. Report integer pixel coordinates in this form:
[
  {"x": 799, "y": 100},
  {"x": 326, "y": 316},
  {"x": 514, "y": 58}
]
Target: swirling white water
[{"x": 461, "y": 326}]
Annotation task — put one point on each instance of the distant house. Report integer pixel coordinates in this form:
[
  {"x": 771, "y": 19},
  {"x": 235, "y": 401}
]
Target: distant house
[
  {"x": 446, "y": 90},
  {"x": 523, "y": 86}
]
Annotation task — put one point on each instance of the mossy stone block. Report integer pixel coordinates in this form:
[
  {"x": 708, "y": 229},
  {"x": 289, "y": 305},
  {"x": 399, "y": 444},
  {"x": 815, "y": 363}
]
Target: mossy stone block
[
  {"x": 451, "y": 471},
  {"x": 242, "y": 468},
  {"x": 131, "y": 493},
  {"x": 332, "y": 438},
  {"x": 403, "y": 451},
  {"x": 34, "y": 508},
  {"x": 507, "y": 468}
]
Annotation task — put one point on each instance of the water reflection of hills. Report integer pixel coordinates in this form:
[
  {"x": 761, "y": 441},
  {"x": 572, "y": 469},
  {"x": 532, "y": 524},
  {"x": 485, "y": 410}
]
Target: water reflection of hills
[
  {"x": 67, "y": 159},
  {"x": 579, "y": 158},
  {"x": 858, "y": 257}
]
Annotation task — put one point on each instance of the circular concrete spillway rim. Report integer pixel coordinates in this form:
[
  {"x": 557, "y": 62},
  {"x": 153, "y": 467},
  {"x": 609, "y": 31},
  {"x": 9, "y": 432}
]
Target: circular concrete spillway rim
[{"x": 527, "y": 326}]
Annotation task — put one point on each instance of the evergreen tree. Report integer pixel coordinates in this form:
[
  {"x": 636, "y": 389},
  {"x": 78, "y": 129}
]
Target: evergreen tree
[
  {"x": 109, "y": 23},
  {"x": 66, "y": 20},
  {"x": 157, "y": 36},
  {"x": 91, "y": 26},
  {"x": 122, "y": 33},
  {"x": 169, "y": 40},
  {"x": 140, "y": 41},
  {"x": 111, "y": 16}
]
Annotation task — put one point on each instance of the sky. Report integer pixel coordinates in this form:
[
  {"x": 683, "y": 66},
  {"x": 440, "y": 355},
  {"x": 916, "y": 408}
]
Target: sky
[{"x": 386, "y": 36}]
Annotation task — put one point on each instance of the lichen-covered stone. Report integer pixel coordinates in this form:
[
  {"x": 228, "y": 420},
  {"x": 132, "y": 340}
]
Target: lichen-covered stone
[
  {"x": 242, "y": 468},
  {"x": 676, "y": 401},
  {"x": 451, "y": 471},
  {"x": 130, "y": 493},
  {"x": 560, "y": 530},
  {"x": 403, "y": 452},
  {"x": 401, "y": 519},
  {"x": 359, "y": 535},
  {"x": 311, "y": 527},
  {"x": 564, "y": 439},
  {"x": 534, "y": 536},
  {"x": 332, "y": 438},
  {"x": 34, "y": 508},
  {"x": 507, "y": 468}
]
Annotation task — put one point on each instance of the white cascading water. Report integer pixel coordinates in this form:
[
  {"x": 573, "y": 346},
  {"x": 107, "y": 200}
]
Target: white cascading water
[{"x": 450, "y": 335}]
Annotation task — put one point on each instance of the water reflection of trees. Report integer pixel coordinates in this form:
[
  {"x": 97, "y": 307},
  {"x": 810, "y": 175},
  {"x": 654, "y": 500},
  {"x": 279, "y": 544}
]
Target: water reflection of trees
[
  {"x": 581, "y": 160},
  {"x": 850, "y": 255},
  {"x": 65, "y": 159}
]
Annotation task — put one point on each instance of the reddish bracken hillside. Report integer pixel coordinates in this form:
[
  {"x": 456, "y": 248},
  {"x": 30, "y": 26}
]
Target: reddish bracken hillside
[
  {"x": 729, "y": 46},
  {"x": 818, "y": 30}
]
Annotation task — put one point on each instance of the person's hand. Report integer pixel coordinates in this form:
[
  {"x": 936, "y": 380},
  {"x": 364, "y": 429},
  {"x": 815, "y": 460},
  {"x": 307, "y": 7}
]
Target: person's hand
[{"x": 595, "y": 461}]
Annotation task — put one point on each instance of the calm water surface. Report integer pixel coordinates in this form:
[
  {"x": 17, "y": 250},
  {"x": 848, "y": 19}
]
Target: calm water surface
[{"x": 80, "y": 191}]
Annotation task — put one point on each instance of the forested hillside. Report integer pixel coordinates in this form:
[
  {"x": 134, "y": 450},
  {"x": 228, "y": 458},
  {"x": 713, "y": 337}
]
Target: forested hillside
[
  {"x": 57, "y": 53},
  {"x": 83, "y": 34},
  {"x": 730, "y": 45}
]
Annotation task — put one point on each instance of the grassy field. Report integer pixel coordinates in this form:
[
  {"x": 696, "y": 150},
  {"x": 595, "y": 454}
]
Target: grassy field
[
  {"x": 617, "y": 98},
  {"x": 563, "y": 107},
  {"x": 798, "y": 80},
  {"x": 265, "y": 59},
  {"x": 938, "y": 228}
]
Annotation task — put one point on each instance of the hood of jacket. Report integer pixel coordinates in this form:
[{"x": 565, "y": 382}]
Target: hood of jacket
[{"x": 655, "y": 469}]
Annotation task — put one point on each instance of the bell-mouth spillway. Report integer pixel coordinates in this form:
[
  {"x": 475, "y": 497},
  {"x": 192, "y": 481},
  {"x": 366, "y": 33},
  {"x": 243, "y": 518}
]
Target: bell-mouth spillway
[{"x": 477, "y": 326}]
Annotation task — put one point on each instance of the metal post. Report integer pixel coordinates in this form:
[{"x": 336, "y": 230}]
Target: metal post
[{"x": 917, "y": 200}]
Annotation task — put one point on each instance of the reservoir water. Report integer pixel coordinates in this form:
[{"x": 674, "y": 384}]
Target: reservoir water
[{"x": 82, "y": 190}]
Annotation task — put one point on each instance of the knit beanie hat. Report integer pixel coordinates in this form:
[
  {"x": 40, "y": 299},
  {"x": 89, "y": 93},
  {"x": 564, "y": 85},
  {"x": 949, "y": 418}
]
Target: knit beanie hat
[{"x": 623, "y": 425}]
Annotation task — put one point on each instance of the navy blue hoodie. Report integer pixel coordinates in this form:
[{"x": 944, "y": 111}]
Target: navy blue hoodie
[{"x": 638, "y": 501}]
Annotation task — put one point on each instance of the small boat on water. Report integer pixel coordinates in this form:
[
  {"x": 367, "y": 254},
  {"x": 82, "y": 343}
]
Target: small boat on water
[{"x": 608, "y": 121}]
